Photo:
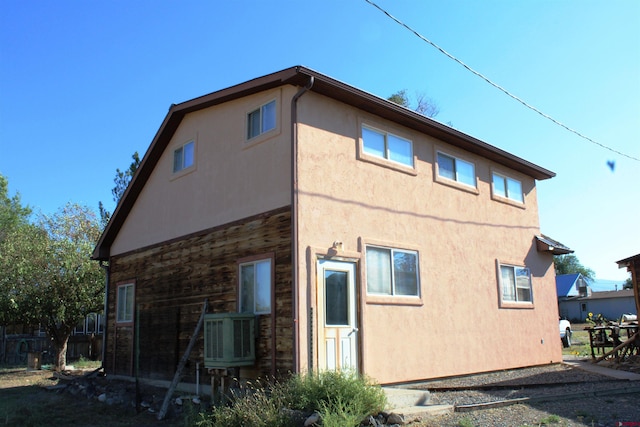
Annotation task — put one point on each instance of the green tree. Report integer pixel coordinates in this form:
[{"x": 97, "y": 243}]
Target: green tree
[
  {"x": 423, "y": 105},
  {"x": 12, "y": 213},
  {"x": 628, "y": 284},
  {"x": 122, "y": 180},
  {"x": 569, "y": 264},
  {"x": 48, "y": 277}
]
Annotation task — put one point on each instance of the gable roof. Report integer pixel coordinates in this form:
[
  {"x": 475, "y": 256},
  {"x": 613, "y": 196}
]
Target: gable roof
[
  {"x": 565, "y": 283},
  {"x": 324, "y": 85}
]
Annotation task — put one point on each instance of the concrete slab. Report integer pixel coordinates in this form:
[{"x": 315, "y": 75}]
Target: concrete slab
[
  {"x": 413, "y": 405},
  {"x": 403, "y": 397},
  {"x": 597, "y": 368}
]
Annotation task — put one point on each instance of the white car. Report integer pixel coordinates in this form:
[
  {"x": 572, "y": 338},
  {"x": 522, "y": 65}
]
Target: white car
[{"x": 565, "y": 332}]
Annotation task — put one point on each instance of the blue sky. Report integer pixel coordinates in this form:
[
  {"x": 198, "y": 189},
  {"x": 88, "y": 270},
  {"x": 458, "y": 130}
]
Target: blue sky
[{"x": 84, "y": 84}]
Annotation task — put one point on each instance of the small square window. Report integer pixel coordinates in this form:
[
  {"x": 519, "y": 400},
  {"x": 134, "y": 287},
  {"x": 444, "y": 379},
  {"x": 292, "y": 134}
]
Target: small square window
[
  {"x": 124, "y": 309},
  {"x": 508, "y": 188},
  {"x": 255, "y": 287},
  {"x": 456, "y": 169},
  {"x": 515, "y": 283},
  {"x": 387, "y": 146},
  {"x": 183, "y": 157},
  {"x": 261, "y": 120},
  {"x": 392, "y": 272}
]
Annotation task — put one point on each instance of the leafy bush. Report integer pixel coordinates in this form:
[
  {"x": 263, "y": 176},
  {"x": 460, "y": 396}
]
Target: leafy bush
[{"x": 341, "y": 398}]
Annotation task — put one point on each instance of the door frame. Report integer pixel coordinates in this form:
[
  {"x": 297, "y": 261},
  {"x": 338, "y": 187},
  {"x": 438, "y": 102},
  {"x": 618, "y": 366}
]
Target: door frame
[{"x": 316, "y": 333}]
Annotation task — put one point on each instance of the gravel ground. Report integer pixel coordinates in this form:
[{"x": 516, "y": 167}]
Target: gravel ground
[{"x": 562, "y": 396}]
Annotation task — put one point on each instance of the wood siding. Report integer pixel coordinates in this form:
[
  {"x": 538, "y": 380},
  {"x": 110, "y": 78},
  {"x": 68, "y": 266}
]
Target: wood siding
[{"x": 173, "y": 279}]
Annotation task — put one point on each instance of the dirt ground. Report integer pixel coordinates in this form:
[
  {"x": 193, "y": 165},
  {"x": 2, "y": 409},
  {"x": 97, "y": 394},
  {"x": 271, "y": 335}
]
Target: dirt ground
[{"x": 38, "y": 398}]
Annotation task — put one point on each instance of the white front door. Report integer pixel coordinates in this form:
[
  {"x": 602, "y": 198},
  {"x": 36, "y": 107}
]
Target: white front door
[{"x": 337, "y": 316}]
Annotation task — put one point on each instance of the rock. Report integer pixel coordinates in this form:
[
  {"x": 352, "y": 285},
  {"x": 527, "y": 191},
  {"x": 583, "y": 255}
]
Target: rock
[
  {"x": 102, "y": 397},
  {"x": 313, "y": 419},
  {"x": 394, "y": 418},
  {"x": 178, "y": 401},
  {"x": 196, "y": 400}
]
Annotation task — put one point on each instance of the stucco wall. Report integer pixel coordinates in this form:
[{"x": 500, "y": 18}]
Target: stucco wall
[
  {"x": 232, "y": 178},
  {"x": 456, "y": 326}
]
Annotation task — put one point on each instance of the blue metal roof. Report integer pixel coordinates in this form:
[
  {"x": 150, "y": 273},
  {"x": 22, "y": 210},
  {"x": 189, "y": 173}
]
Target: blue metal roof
[{"x": 565, "y": 283}]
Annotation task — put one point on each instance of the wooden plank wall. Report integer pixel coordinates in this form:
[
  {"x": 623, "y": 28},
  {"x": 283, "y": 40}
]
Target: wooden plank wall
[{"x": 173, "y": 279}]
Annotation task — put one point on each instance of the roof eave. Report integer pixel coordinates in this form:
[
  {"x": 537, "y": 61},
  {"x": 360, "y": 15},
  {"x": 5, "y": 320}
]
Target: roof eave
[{"x": 299, "y": 76}]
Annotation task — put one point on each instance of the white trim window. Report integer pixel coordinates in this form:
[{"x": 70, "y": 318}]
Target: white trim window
[
  {"x": 124, "y": 310},
  {"x": 387, "y": 146},
  {"x": 255, "y": 287},
  {"x": 184, "y": 156},
  {"x": 392, "y": 272},
  {"x": 507, "y": 188},
  {"x": 91, "y": 323},
  {"x": 515, "y": 283},
  {"x": 456, "y": 169},
  {"x": 261, "y": 120}
]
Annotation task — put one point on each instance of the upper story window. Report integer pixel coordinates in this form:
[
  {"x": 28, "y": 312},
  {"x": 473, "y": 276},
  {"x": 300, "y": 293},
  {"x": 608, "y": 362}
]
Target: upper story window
[
  {"x": 456, "y": 169},
  {"x": 255, "y": 287},
  {"x": 387, "y": 146},
  {"x": 183, "y": 157},
  {"x": 261, "y": 120},
  {"x": 508, "y": 188},
  {"x": 515, "y": 283},
  {"x": 392, "y": 272},
  {"x": 124, "y": 309}
]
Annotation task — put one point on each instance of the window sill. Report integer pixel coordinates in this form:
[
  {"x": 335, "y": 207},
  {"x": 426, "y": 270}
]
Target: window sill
[
  {"x": 389, "y": 164},
  {"x": 183, "y": 172},
  {"x": 508, "y": 201},
  {"x": 517, "y": 305},
  {"x": 393, "y": 300},
  {"x": 457, "y": 185}
]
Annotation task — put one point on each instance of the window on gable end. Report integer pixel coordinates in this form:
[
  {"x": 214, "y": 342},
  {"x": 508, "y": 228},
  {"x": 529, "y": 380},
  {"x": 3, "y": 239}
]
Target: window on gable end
[
  {"x": 184, "y": 157},
  {"x": 261, "y": 120}
]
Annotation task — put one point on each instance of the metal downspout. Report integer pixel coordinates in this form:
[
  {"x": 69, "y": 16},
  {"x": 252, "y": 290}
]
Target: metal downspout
[
  {"x": 294, "y": 221},
  {"x": 105, "y": 313}
]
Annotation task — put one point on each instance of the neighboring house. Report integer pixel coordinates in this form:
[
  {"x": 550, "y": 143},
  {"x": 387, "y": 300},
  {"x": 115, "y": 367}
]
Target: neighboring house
[
  {"x": 19, "y": 340},
  {"x": 611, "y": 304},
  {"x": 570, "y": 287},
  {"x": 360, "y": 233},
  {"x": 576, "y": 299}
]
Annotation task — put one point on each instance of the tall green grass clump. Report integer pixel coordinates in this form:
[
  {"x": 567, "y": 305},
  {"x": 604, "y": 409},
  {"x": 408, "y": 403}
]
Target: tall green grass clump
[{"x": 341, "y": 398}]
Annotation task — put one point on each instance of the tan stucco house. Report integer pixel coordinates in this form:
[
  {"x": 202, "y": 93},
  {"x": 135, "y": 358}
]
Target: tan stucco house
[{"x": 359, "y": 233}]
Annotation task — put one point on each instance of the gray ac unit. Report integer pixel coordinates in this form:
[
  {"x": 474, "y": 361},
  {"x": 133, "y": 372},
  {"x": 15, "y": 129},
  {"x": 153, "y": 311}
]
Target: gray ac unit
[{"x": 229, "y": 340}]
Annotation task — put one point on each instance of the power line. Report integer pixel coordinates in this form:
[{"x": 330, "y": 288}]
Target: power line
[{"x": 497, "y": 86}]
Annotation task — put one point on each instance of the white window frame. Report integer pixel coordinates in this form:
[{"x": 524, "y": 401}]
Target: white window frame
[
  {"x": 79, "y": 328},
  {"x": 505, "y": 183},
  {"x": 184, "y": 163},
  {"x": 93, "y": 330},
  {"x": 393, "y": 292},
  {"x": 514, "y": 285},
  {"x": 257, "y": 286},
  {"x": 263, "y": 126},
  {"x": 125, "y": 314},
  {"x": 456, "y": 168},
  {"x": 387, "y": 153}
]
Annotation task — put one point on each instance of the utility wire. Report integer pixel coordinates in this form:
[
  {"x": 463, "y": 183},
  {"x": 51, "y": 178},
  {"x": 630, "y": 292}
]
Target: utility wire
[{"x": 497, "y": 86}]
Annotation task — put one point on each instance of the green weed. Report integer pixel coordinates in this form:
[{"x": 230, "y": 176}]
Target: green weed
[{"x": 341, "y": 398}]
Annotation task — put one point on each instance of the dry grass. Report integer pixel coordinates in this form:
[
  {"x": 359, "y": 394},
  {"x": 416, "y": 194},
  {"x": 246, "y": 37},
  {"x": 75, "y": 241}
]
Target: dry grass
[{"x": 25, "y": 401}]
